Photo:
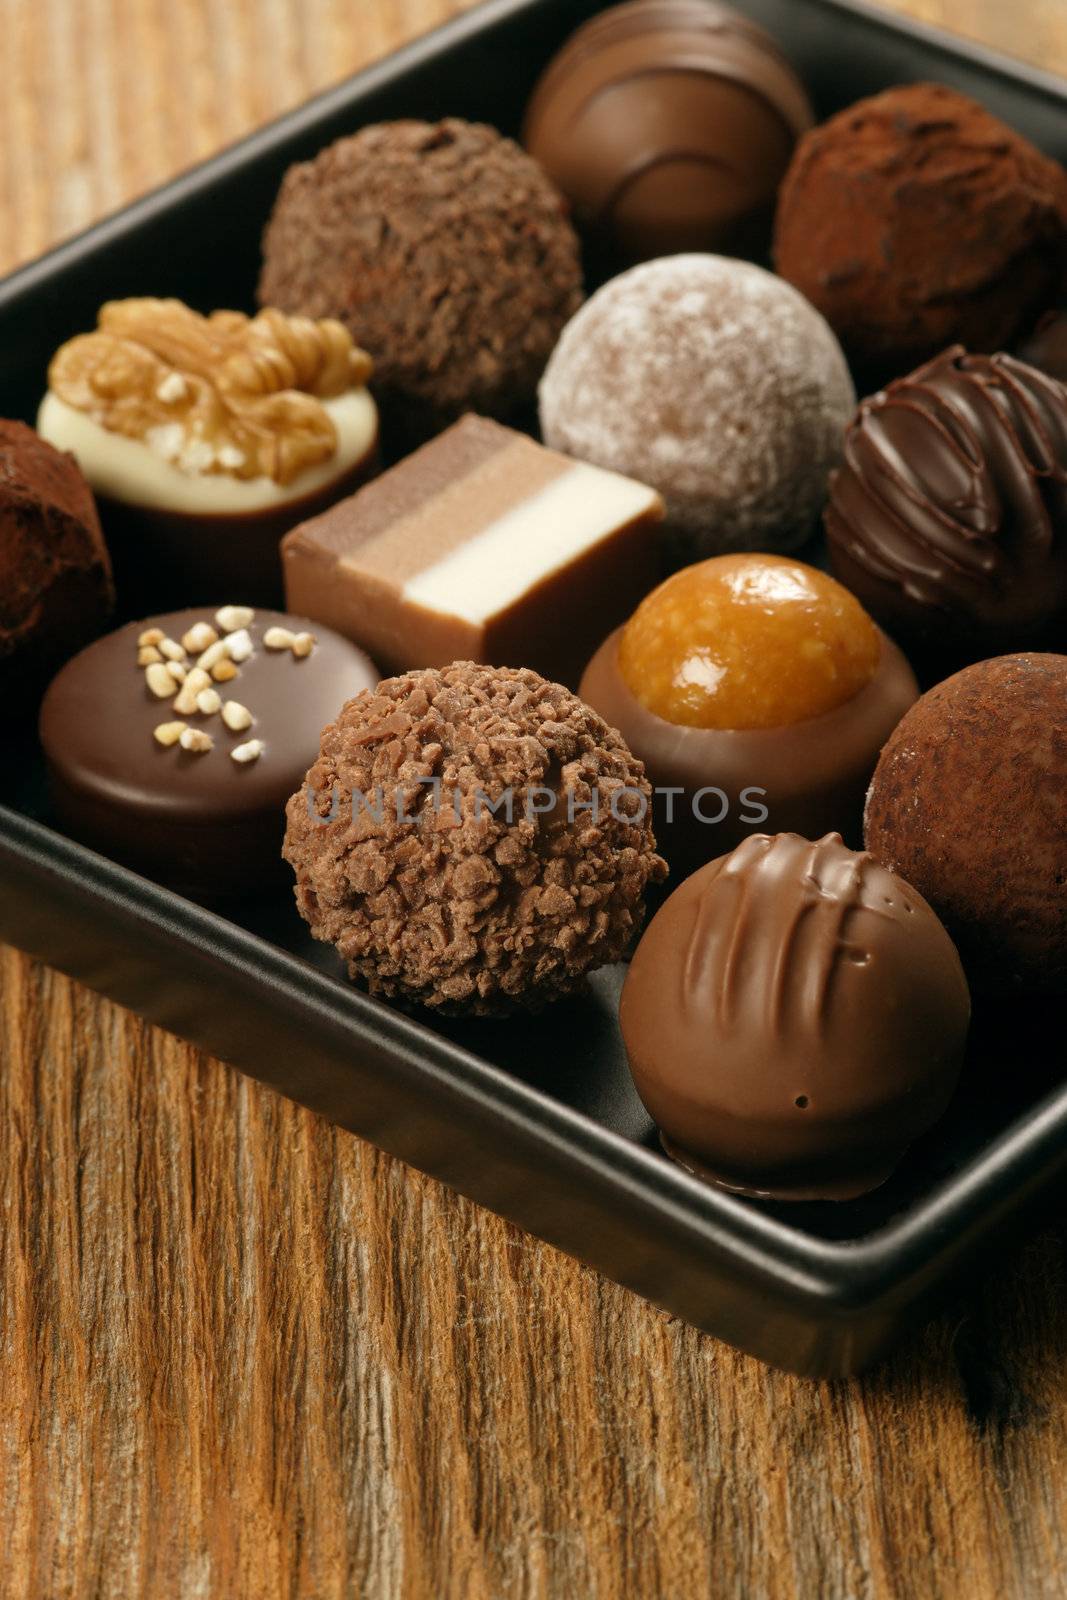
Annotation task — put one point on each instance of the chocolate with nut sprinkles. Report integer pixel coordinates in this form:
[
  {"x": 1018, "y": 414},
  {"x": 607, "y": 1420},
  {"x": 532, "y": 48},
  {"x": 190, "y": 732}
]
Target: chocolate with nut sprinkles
[{"x": 174, "y": 744}]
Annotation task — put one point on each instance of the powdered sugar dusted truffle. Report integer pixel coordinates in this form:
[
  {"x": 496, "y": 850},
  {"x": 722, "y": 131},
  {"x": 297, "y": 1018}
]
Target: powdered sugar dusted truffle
[
  {"x": 472, "y": 838},
  {"x": 717, "y": 384}
]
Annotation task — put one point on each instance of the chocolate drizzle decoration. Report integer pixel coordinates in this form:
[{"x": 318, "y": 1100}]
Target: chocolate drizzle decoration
[{"x": 949, "y": 516}]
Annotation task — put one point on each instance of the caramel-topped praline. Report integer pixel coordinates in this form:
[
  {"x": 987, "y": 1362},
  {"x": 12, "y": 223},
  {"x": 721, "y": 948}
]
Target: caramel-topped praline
[
  {"x": 794, "y": 1017},
  {"x": 815, "y": 687},
  {"x": 747, "y": 641}
]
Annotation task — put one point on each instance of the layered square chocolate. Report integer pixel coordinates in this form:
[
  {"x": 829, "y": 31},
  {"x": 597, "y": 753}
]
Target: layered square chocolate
[{"x": 481, "y": 546}]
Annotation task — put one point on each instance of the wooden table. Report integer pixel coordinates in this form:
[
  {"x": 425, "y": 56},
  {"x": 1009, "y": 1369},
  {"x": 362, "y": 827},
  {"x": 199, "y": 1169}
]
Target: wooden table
[{"x": 242, "y": 1354}]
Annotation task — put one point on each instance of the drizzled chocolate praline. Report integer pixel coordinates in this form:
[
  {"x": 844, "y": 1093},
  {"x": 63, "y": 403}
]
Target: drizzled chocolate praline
[
  {"x": 794, "y": 1018},
  {"x": 948, "y": 519}
]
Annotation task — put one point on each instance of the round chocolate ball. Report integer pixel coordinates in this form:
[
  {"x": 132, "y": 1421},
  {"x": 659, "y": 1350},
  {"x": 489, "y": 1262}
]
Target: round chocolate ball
[
  {"x": 472, "y": 838},
  {"x": 55, "y": 573},
  {"x": 758, "y": 693},
  {"x": 717, "y": 384},
  {"x": 916, "y": 219},
  {"x": 669, "y": 124},
  {"x": 969, "y": 803},
  {"x": 445, "y": 251},
  {"x": 794, "y": 1018},
  {"x": 186, "y": 781},
  {"x": 948, "y": 517}
]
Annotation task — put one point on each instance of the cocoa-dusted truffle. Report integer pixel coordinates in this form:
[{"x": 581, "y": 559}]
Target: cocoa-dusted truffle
[
  {"x": 442, "y": 247},
  {"x": 915, "y": 219},
  {"x": 669, "y": 124},
  {"x": 55, "y": 573},
  {"x": 444, "y": 840},
  {"x": 1045, "y": 346},
  {"x": 948, "y": 518},
  {"x": 794, "y": 1018},
  {"x": 969, "y": 803},
  {"x": 717, "y": 384}
]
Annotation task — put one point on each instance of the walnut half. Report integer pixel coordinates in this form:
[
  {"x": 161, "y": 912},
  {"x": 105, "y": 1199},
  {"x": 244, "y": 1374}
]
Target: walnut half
[{"x": 224, "y": 393}]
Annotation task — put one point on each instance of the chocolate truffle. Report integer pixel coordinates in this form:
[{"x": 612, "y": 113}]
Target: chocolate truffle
[
  {"x": 173, "y": 744},
  {"x": 949, "y": 516},
  {"x": 1045, "y": 347},
  {"x": 969, "y": 803},
  {"x": 206, "y": 438},
  {"x": 481, "y": 546},
  {"x": 794, "y": 1018},
  {"x": 915, "y": 219},
  {"x": 717, "y": 384},
  {"x": 55, "y": 573},
  {"x": 473, "y": 839},
  {"x": 757, "y": 692},
  {"x": 445, "y": 251},
  {"x": 669, "y": 125}
]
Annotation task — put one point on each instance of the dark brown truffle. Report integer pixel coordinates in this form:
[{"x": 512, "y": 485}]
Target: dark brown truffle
[
  {"x": 915, "y": 219},
  {"x": 444, "y": 840},
  {"x": 949, "y": 517},
  {"x": 55, "y": 574},
  {"x": 669, "y": 125},
  {"x": 794, "y": 1018},
  {"x": 969, "y": 803},
  {"x": 443, "y": 248}
]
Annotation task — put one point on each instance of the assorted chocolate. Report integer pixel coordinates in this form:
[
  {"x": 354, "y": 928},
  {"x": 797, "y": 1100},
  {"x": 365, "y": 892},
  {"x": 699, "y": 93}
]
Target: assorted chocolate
[
  {"x": 470, "y": 834},
  {"x": 794, "y": 1018},
  {"x": 481, "y": 545},
  {"x": 206, "y": 438},
  {"x": 948, "y": 517},
  {"x": 669, "y": 125},
  {"x": 173, "y": 744},
  {"x": 758, "y": 694},
  {"x": 716, "y": 383},
  {"x": 969, "y": 803}
]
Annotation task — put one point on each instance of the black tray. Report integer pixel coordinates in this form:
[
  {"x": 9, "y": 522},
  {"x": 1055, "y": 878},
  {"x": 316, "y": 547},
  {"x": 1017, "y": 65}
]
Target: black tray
[{"x": 537, "y": 1121}]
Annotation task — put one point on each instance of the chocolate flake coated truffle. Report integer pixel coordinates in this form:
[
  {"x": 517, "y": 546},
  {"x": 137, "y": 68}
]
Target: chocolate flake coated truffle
[
  {"x": 55, "y": 574},
  {"x": 715, "y": 383},
  {"x": 454, "y": 906},
  {"x": 916, "y": 219},
  {"x": 948, "y": 518},
  {"x": 794, "y": 1018},
  {"x": 969, "y": 803},
  {"x": 669, "y": 124},
  {"x": 445, "y": 251}
]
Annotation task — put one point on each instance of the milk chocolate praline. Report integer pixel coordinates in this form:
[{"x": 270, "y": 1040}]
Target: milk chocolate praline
[
  {"x": 794, "y": 1017},
  {"x": 669, "y": 125},
  {"x": 948, "y": 518},
  {"x": 969, "y": 802},
  {"x": 202, "y": 821},
  {"x": 715, "y": 785}
]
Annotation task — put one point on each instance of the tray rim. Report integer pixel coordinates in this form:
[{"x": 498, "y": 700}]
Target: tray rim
[{"x": 835, "y": 1277}]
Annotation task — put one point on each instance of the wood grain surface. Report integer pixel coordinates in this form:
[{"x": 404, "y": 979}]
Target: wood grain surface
[{"x": 244, "y": 1355}]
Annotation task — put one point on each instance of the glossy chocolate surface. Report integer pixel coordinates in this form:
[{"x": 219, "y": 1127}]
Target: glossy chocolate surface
[
  {"x": 794, "y": 1017},
  {"x": 669, "y": 124},
  {"x": 814, "y": 774},
  {"x": 949, "y": 517},
  {"x": 202, "y": 823}
]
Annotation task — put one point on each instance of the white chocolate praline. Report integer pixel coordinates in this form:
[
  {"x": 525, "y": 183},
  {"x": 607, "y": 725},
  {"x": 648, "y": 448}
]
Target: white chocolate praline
[{"x": 131, "y": 471}]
